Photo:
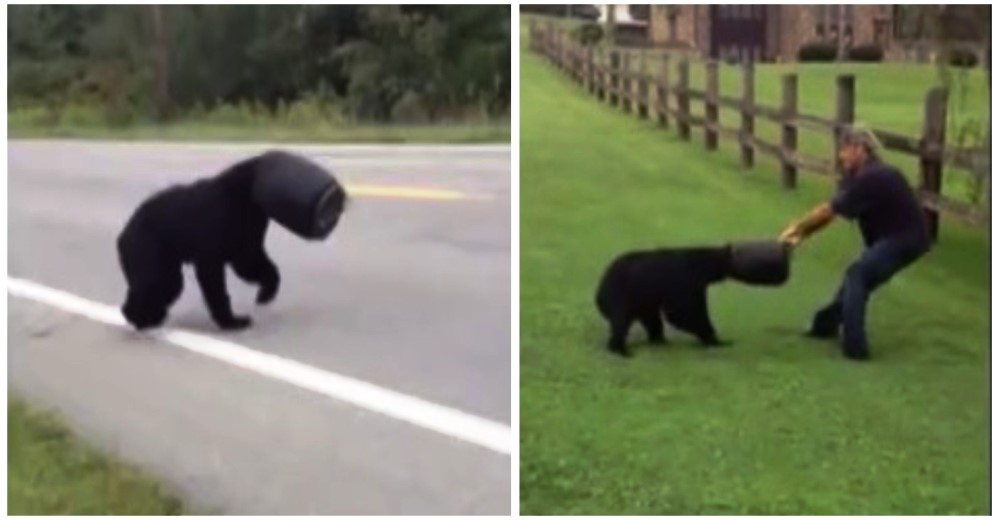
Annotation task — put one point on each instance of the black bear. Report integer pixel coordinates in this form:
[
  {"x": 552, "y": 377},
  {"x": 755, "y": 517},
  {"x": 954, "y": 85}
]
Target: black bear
[
  {"x": 220, "y": 221},
  {"x": 670, "y": 283}
]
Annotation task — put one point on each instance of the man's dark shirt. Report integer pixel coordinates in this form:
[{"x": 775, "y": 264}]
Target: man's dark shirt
[{"x": 884, "y": 205}]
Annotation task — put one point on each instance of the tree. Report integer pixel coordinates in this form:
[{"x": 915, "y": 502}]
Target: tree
[{"x": 423, "y": 61}]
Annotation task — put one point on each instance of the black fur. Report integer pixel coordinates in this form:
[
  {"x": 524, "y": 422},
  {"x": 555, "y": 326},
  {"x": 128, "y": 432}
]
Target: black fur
[
  {"x": 210, "y": 223},
  {"x": 648, "y": 286}
]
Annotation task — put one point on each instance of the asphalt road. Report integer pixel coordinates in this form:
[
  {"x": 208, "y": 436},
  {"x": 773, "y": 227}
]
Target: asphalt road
[{"x": 411, "y": 293}]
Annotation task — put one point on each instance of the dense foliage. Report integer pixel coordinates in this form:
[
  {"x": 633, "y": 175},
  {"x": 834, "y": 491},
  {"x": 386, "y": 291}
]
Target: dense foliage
[
  {"x": 871, "y": 52},
  {"x": 370, "y": 63},
  {"x": 818, "y": 51}
]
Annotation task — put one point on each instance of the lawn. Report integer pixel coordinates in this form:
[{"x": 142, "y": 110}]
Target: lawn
[
  {"x": 775, "y": 424},
  {"x": 51, "y": 472}
]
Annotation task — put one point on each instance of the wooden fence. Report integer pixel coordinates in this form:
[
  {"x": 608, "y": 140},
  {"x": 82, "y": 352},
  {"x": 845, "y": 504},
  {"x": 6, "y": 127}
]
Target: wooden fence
[{"x": 610, "y": 74}]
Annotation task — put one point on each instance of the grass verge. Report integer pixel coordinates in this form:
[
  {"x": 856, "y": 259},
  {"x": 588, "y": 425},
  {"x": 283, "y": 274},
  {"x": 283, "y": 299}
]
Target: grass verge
[
  {"x": 51, "y": 472},
  {"x": 86, "y": 123},
  {"x": 775, "y": 424}
]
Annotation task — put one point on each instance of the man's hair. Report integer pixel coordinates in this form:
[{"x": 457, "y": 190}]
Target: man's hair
[{"x": 860, "y": 134}]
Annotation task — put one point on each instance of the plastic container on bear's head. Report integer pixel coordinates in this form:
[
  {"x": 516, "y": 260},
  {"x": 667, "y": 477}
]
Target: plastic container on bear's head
[
  {"x": 299, "y": 194},
  {"x": 760, "y": 262}
]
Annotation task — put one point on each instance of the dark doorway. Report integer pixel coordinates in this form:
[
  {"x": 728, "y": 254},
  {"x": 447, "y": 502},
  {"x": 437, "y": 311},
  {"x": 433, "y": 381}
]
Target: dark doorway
[{"x": 738, "y": 31}]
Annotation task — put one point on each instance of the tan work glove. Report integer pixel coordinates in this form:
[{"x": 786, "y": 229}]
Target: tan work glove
[
  {"x": 791, "y": 236},
  {"x": 814, "y": 221}
]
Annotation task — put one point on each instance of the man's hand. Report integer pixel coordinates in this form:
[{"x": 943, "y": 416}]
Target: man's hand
[
  {"x": 814, "y": 221},
  {"x": 792, "y": 235}
]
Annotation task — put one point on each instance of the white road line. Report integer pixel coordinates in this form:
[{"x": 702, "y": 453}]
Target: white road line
[{"x": 441, "y": 419}]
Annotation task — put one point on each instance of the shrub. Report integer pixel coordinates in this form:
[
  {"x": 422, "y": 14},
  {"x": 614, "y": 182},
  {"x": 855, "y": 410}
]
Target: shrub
[
  {"x": 867, "y": 52},
  {"x": 409, "y": 109},
  {"x": 818, "y": 51},
  {"x": 962, "y": 58},
  {"x": 590, "y": 33}
]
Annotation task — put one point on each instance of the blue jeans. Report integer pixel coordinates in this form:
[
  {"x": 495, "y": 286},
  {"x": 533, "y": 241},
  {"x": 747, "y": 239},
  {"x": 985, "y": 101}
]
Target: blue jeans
[{"x": 876, "y": 266}]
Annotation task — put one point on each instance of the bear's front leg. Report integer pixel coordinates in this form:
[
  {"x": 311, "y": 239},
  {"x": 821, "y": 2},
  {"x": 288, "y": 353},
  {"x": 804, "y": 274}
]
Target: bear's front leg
[
  {"x": 211, "y": 276},
  {"x": 693, "y": 317},
  {"x": 254, "y": 266}
]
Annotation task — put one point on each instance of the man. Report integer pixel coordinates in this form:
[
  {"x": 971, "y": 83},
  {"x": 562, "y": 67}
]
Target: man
[{"x": 892, "y": 225}]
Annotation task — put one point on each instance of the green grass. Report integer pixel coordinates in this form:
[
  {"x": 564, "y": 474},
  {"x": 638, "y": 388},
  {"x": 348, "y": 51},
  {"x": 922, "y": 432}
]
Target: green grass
[
  {"x": 240, "y": 125},
  {"x": 50, "y": 472},
  {"x": 775, "y": 424}
]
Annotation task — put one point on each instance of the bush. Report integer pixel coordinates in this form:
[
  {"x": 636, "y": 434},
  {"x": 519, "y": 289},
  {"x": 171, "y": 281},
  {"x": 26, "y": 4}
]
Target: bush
[
  {"x": 962, "y": 58},
  {"x": 867, "y": 52},
  {"x": 409, "y": 109},
  {"x": 590, "y": 33},
  {"x": 818, "y": 51},
  {"x": 586, "y": 11}
]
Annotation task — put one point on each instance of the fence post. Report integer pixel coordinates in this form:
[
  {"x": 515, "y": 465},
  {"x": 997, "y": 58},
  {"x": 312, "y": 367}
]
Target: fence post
[
  {"x": 550, "y": 40},
  {"x": 663, "y": 91},
  {"x": 543, "y": 34},
  {"x": 602, "y": 86},
  {"x": 581, "y": 64},
  {"x": 746, "y": 126},
  {"x": 532, "y": 35},
  {"x": 683, "y": 101},
  {"x": 550, "y": 44},
  {"x": 560, "y": 62},
  {"x": 932, "y": 150},
  {"x": 643, "y": 87},
  {"x": 604, "y": 59},
  {"x": 626, "y": 77},
  {"x": 789, "y": 132},
  {"x": 712, "y": 105},
  {"x": 613, "y": 73},
  {"x": 845, "y": 112},
  {"x": 554, "y": 46},
  {"x": 591, "y": 88},
  {"x": 564, "y": 53}
]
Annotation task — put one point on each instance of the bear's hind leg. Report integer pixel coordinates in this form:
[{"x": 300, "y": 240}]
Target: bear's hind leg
[
  {"x": 620, "y": 321},
  {"x": 154, "y": 281}
]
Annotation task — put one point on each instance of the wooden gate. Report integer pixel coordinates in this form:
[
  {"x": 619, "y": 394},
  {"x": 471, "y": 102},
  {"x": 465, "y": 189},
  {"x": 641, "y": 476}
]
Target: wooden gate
[{"x": 737, "y": 31}]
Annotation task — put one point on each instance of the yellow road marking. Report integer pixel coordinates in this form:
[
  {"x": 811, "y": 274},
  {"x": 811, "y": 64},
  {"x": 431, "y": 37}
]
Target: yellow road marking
[{"x": 405, "y": 192}]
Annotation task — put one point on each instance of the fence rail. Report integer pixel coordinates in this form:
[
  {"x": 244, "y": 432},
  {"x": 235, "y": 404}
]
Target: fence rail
[{"x": 648, "y": 92}]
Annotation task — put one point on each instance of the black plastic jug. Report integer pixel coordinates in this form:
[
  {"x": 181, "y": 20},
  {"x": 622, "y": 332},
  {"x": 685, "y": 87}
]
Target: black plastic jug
[
  {"x": 762, "y": 262},
  {"x": 299, "y": 194}
]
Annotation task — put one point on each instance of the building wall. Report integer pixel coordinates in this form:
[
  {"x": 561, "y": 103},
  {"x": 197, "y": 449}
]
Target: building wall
[
  {"x": 789, "y": 27},
  {"x": 797, "y": 25},
  {"x": 773, "y": 39},
  {"x": 658, "y": 25},
  {"x": 684, "y": 27},
  {"x": 864, "y": 23},
  {"x": 702, "y": 28}
]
